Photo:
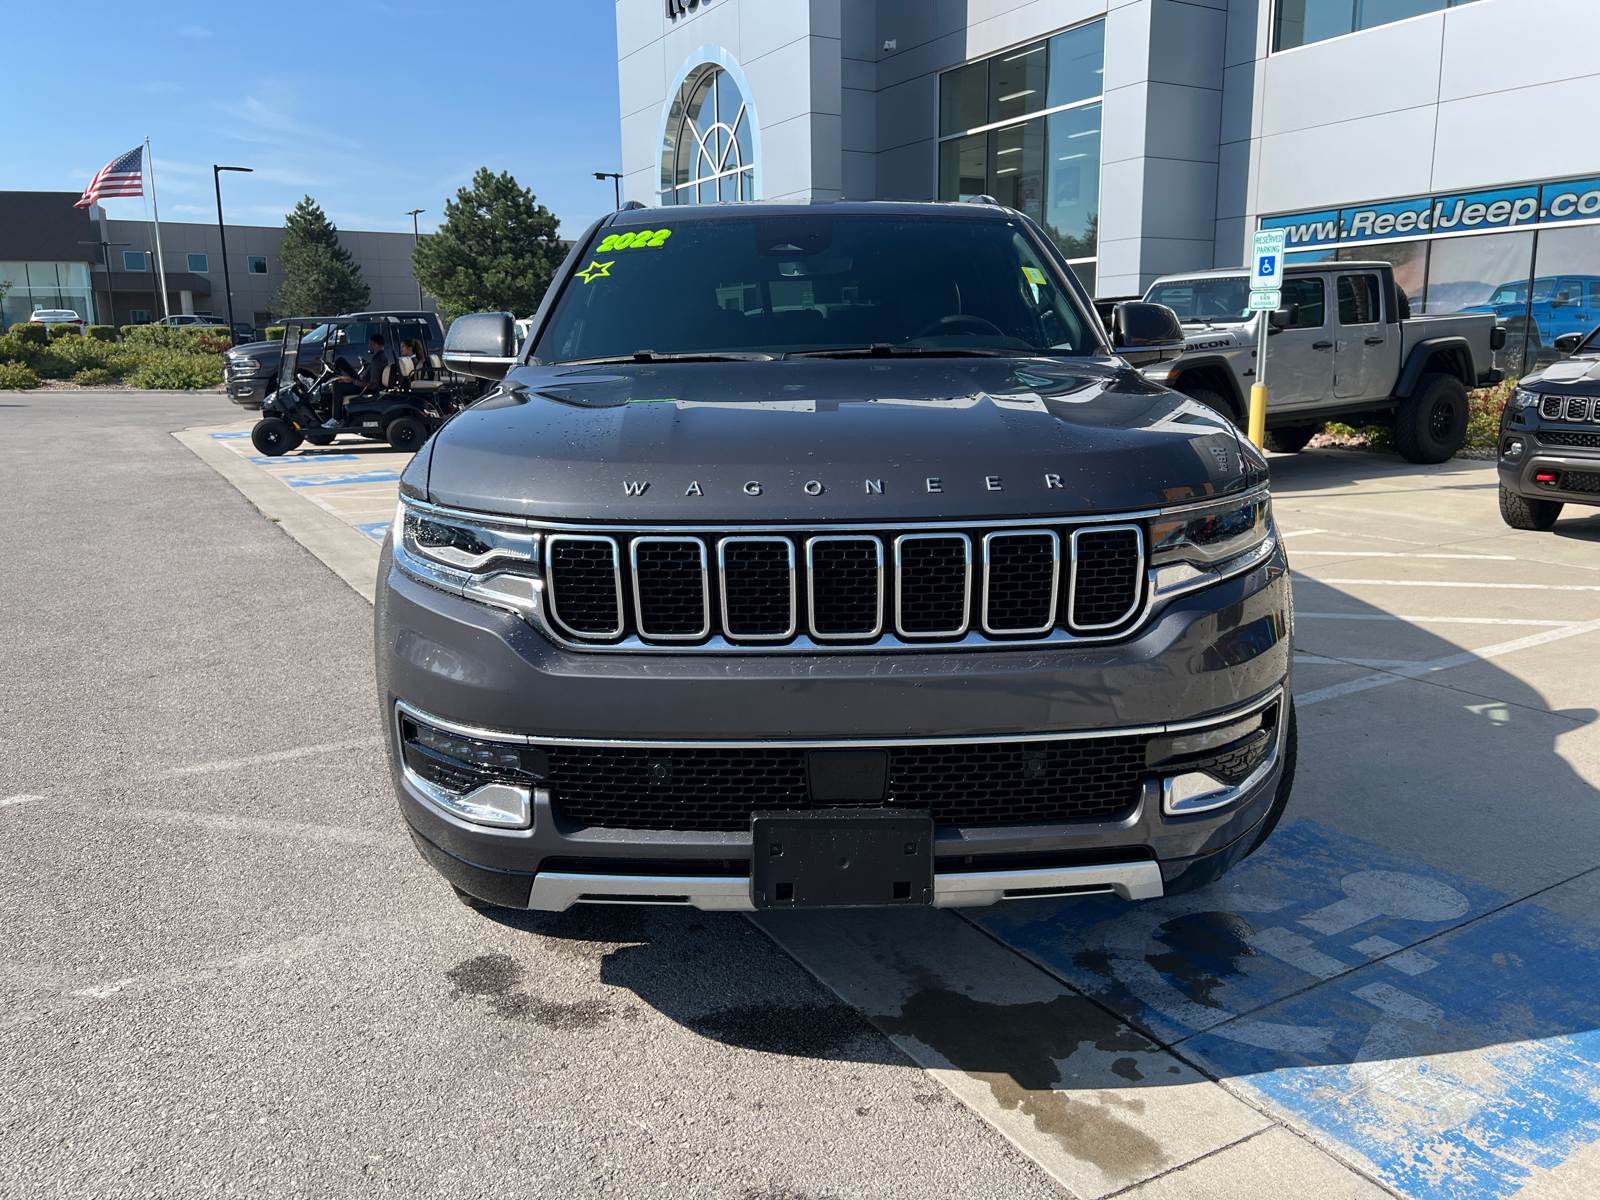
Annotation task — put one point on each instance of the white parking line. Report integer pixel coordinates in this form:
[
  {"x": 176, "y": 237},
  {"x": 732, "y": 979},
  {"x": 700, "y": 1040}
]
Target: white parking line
[
  {"x": 1372, "y": 663},
  {"x": 1288, "y": 533},
  {"x": 255, "y": 760},
  {"x": 1418, "y": 670},
  {"x": 1520, "y": 587},
  {"x": 1318, "y": 616},
  {"x": 1405, "y": 554}
]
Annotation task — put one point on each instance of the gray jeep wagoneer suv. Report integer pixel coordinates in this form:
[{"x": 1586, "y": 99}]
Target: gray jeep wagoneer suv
[{"x": 831, "y": 555}]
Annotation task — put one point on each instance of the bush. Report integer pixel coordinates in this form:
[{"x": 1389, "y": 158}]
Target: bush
[
  {"x": 273, "y": 333},
  {"x": 17, "y": 377},
  {"x": 1484, "y": 406},
  {"x": 93, "y": 377},
  {"x": 61, "y": 331},
  {"x": 29, "y": 332},
  {"x": 103, "y": 333},
  {"x": 165, "y": 368}
]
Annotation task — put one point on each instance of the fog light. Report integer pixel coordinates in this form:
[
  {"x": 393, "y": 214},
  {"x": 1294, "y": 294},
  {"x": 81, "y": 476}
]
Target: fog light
[
  {"x": 488, "y": 783},
  {"x": 1192, "y": 792},
  {"x": 1513, "y": 449}
]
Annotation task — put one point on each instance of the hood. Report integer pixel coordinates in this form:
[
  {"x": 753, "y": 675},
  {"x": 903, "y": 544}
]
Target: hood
[
  {"x": 1580, "y": 376},
  {"x": 256, "y": 349},
  {"x": 833, "y": 440}
]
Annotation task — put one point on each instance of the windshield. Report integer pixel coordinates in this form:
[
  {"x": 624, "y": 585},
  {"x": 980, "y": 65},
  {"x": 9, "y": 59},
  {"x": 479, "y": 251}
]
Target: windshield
[
  {"x": 814, "y": 284},
  {"x": 1225, "y": 299}
]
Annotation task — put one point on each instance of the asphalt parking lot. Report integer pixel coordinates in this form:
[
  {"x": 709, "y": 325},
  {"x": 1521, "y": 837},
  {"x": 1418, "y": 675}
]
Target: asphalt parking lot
[{"x": 229, "y": 973}]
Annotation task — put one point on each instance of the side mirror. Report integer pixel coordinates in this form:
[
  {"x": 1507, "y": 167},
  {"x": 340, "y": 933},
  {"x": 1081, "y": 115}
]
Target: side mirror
[
  {"x": 1497, "y": 338},
  {"x": 1146, "y": 333},
  {"x": 1286, "y": 317},
  {"x": 482, "y": 344},
  {"x": 1566, "y": 343}
]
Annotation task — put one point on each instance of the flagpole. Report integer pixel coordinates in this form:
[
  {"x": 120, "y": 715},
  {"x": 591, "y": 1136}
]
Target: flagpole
[{"x": 161, "y": 266}]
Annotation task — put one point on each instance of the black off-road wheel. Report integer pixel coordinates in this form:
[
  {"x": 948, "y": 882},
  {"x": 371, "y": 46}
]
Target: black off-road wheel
[
  {"x": 1290, "y": 441},
  {"x": 406, "y": 433},
  {"x": 1215, "y": 400},
  {"x": 1431, "y": 423},
  {"x": 1521, "y": 512},
  {"x": 274, "y": 436}
]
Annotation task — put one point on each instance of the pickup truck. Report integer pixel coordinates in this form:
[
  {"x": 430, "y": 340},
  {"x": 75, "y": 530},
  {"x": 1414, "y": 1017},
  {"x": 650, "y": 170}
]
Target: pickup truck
[
  {"x": 1344, "y": 345},
  {"x": 252, "y": 369}
]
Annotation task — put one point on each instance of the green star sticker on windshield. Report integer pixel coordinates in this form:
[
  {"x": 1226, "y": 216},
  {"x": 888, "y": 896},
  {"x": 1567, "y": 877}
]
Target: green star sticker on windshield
[{"x": 595, "y": 270}]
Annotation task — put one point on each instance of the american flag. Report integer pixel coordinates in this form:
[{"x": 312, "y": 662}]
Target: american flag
[{"x": 120, "y": 177}]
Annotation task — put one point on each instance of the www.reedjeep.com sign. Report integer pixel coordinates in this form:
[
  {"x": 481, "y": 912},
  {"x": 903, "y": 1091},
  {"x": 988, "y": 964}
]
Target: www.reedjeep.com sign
[{"x": 1459, "y": 212}]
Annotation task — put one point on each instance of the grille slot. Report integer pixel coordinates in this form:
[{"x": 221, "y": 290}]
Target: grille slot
[
  {"x": 1577, "y": 408},
  {"x": 844, "y": 587},
  {"x": 758, "y": 594},
  {"x": 670, "y": 596},
  {"x": 1579, "y": 481},
  {"x": 1020, "y": 574},
  {"x": 931, "y": 593},
  {"x": 1561, "y": 437},
  {"x": 1551, "y": 407},
  {"x": 586, "y": 585},
  {"x": 716, "y": 789},
  {"x": 1107, "y": 570}
]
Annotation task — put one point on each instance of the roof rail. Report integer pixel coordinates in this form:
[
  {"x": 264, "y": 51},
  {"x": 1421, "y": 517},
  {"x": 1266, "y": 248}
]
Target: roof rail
[
  {"x": 984, "y": 200},
  {"x": 630, "y": 205}
]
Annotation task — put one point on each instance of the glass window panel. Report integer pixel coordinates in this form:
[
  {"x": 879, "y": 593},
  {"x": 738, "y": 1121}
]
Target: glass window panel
[
  {"x": 1085, "y": 273},
  {"x": 962, "y": 171},
  {"x": 133, "y": 260},
  {"x": 1489, "y": 274},
  {"x": 728, "y": 188},
  {"x": 742, "y": 135},
  {"x": 1072, "y": 210},
  {"x": 1303, "y": 21},
  {"x": 963, "y": 98},
  {"x": 199, "y": 264},
  {"x": 1381, "y": 12},
  {"x": 1568, "y": 265},
  {"x": 1409, "y": 259},
  {"x": 708, "y": 193},
  {"x": 1016, "y": 167},
  {"x": 1309, "y": 294},
  {"x": 257, "y": 264},
  {"x": 1358, "y": 300},
  {"x": 1017, "y": 82},
  {"x": 1077, "y": 64}
]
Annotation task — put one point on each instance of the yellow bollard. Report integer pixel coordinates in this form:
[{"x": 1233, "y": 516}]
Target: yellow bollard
[{"x": 1258, "y": 415}]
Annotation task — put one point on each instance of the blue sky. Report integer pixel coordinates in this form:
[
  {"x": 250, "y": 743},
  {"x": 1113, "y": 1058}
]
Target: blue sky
[{"x": 371, "y": 108}]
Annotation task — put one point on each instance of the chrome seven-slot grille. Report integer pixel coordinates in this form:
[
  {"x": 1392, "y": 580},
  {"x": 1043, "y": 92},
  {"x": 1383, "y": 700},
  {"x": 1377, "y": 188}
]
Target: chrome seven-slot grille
[
  {"x": 844, "y": 587},
  {"x": 1569, "y": 408}
]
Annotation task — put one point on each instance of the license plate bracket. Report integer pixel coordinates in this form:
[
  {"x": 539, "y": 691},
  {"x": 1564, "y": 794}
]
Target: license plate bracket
[{"x": 841, "y": 858}]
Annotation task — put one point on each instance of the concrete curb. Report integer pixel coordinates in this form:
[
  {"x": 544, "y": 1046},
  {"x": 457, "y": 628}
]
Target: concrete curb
[{"x": 348, "y": 553}]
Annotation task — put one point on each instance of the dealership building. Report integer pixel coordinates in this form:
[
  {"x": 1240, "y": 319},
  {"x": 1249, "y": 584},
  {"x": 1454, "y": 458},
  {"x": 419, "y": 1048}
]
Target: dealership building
[{"x": 1150, "y": 137}]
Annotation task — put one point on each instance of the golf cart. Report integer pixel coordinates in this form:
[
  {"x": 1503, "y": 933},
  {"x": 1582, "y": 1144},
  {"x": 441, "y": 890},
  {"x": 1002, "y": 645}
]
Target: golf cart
[{"x": 401, "y": 408}]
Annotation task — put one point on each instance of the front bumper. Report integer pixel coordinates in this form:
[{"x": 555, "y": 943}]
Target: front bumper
[
  {"x": 251, "y": 393},
  {"x": 1571, "y": 467},
  {"x": 485, "y": 672}
]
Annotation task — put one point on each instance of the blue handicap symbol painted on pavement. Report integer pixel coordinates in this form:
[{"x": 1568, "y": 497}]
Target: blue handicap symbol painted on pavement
[
  {"x": 221, "y": 436},
  {"x": 331, "y": 478},
  {"x": 264, "y": 461},
  {"x": 376, "y": 530},
  {"x": 1446, "y": 1037}
]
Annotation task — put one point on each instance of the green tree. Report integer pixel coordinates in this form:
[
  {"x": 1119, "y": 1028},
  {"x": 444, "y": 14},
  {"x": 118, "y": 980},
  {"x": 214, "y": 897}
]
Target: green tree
[
  {"x": 496, "y": 250},
  {"x": 319, "y": 276}
]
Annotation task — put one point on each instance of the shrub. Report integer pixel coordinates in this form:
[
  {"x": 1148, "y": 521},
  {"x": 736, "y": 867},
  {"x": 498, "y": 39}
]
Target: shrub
[
  {"x": 61, "y": 331},
  {"x": 103, "y": 333},
  {"x": 165, "y": 368},
  {"x": 17, "y": 377},
  {"x": 92, "y": 377},
  {"x": 274, "y": 333},
  {"x": 30, "y": 332},
  {"x": 1484, "y": 407}
]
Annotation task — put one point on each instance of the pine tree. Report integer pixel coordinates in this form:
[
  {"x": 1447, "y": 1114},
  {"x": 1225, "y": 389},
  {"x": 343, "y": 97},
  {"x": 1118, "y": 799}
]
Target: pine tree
[
  {"x": 319, "y": 276},
  {"x": 495, "y": 252}
]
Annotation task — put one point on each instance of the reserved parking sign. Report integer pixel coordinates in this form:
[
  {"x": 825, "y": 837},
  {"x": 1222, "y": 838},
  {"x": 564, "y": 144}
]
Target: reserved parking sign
[{"x": 1266, "y": 267}]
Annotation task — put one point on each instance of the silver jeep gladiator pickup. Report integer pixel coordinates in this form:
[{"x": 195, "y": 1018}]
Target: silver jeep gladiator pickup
[{"x": 1350, "y": 349}]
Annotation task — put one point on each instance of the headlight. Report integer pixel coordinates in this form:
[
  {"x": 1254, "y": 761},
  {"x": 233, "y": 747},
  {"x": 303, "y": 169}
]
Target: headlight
[
  {"x": 482, "y": 560},
  {"x": 245, "y": 364},
  {"x": 1521, "y": 399},
  {"x": 1201, "y": 546}
]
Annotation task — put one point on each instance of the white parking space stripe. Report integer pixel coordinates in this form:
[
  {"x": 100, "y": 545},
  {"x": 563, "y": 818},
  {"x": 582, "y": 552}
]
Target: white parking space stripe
[
  {"x": 1520, "y": 587},
  {"x": 1384, "y": 663},
  {"x": 1418, "y": 670},
  {"x": 1404, "y": 554},
  {"x": 1321, "y": 616},
  {"x": 255, "y": 760},
  {"x": 1289, "y": 533}
]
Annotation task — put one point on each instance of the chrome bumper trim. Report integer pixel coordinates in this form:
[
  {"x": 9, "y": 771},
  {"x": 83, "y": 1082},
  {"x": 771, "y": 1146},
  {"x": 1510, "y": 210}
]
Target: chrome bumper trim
[{"x": 556, "y": 891}]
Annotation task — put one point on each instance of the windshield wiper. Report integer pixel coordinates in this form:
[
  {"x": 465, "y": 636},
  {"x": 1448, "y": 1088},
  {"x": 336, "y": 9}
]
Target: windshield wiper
[
  {"x": 650, "y": 356},
  {"x": 882, "y": 350}
]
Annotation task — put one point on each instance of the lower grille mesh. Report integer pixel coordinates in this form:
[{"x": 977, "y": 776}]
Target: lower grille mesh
[
  {"x": 716, "y": 789},
  {"x": 1562, "y": 437},
  {"x": 1579, "y": 481}
]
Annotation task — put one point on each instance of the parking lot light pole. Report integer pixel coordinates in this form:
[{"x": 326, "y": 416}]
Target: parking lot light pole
[
  {"x": 105, "y": 252},
  {"x": 616, "y": 183},
  {"x": 414, "y": 236},
  {"x": 222, "y": 235}
]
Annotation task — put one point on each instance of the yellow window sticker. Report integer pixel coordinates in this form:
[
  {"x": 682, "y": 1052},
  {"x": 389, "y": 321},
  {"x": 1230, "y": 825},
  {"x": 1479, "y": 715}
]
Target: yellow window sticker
[
  {"x": 1035, "y": 276},
  {"x": 595, "y": 270},
  {"x": 637, "y": 240}
]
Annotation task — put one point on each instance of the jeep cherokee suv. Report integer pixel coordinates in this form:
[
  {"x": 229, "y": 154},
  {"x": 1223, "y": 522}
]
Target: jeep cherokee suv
[{"x": 831, "y": 555}]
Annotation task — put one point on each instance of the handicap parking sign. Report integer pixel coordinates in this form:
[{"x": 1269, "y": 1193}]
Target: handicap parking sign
[{"x": 1266, "y": 252}]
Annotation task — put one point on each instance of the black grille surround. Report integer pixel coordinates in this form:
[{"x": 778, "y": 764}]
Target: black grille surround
[
  {"x": 819, "y": 588},
  {"x": 1554, "y": 406}
]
